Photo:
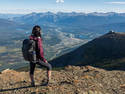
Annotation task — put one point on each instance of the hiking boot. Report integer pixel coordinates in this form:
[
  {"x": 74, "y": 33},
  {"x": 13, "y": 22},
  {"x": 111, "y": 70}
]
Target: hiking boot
[
  {"x": 33, "y": 84},
  {"x": 45, "y": 82}
]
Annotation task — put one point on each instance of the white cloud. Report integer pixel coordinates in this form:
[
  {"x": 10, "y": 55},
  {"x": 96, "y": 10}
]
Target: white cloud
[
  {"x": 121, "y": 3},
  {"x": 59, "y": 1}
]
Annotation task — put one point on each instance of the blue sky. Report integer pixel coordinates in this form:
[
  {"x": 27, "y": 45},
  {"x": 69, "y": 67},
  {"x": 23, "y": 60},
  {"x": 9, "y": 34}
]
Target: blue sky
[{"x": 28, "y": 6}]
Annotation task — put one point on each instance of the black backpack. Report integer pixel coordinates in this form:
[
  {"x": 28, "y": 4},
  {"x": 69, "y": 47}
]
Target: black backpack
[{"x": 28, "y": 50}]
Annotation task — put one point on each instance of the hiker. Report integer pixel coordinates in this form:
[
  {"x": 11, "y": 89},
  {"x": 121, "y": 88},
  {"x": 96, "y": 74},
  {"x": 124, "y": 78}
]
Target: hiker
[{"x": 40, "y": 60}]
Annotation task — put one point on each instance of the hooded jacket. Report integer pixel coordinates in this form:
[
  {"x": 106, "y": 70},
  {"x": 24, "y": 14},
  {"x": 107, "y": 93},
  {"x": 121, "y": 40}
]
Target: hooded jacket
[{"x": 39, "y": 47}]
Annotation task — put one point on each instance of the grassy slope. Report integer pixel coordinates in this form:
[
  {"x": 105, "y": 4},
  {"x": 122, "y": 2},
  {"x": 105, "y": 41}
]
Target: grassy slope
[{"x": 70, "y": 80}]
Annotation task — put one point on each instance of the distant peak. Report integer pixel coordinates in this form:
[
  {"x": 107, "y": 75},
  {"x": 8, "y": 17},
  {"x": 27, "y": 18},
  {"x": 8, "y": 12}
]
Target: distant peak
[{"x": 111, "y": 32}]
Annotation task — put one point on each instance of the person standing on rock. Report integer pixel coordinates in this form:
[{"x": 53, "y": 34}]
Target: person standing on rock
[{"x": 36, "y": 36}]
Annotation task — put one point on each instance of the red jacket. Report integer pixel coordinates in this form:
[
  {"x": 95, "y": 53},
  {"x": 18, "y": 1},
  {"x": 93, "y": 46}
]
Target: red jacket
[{"x": 40, "y": 54}]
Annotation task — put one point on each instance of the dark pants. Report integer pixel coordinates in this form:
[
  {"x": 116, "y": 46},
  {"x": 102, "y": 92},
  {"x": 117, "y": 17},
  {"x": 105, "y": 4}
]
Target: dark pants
[{"x": 41, "y": 63}]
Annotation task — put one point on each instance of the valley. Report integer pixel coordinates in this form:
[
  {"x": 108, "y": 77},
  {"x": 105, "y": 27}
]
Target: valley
[{"x": 61, "y": 33}]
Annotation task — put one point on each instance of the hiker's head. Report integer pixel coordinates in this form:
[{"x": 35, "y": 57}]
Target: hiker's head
[{"x": 36, "y": 31}]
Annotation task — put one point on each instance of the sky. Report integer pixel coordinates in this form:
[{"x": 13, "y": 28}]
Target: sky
[{"x": 86, "y": 6}]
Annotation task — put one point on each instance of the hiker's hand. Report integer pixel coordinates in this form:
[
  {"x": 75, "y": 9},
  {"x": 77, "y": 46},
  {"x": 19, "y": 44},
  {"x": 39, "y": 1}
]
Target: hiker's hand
[{"x": 46, "y": 61}]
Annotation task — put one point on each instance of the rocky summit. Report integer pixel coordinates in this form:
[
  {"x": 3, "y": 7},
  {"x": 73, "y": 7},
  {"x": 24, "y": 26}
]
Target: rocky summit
[{"x": 70, "y": 80}]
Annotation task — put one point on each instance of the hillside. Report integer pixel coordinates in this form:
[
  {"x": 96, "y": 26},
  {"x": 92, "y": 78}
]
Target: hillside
[
  {"x": 106, "y": 51},
  {"x": 8, "y": 16},
  {"x": 70, "y": 80},
  {"x": 6, "y": 25}
]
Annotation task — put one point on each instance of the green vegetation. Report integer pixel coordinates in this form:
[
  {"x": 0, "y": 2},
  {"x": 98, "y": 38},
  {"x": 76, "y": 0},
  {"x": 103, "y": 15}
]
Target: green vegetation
[{"x": 111, "y": 64}]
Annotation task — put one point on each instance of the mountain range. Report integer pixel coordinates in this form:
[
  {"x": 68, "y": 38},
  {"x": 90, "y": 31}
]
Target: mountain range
[
  {"x": 94, "y": 23},
  {"x": 71, "y": 19},
  {"x": 8, "y": 15}
]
